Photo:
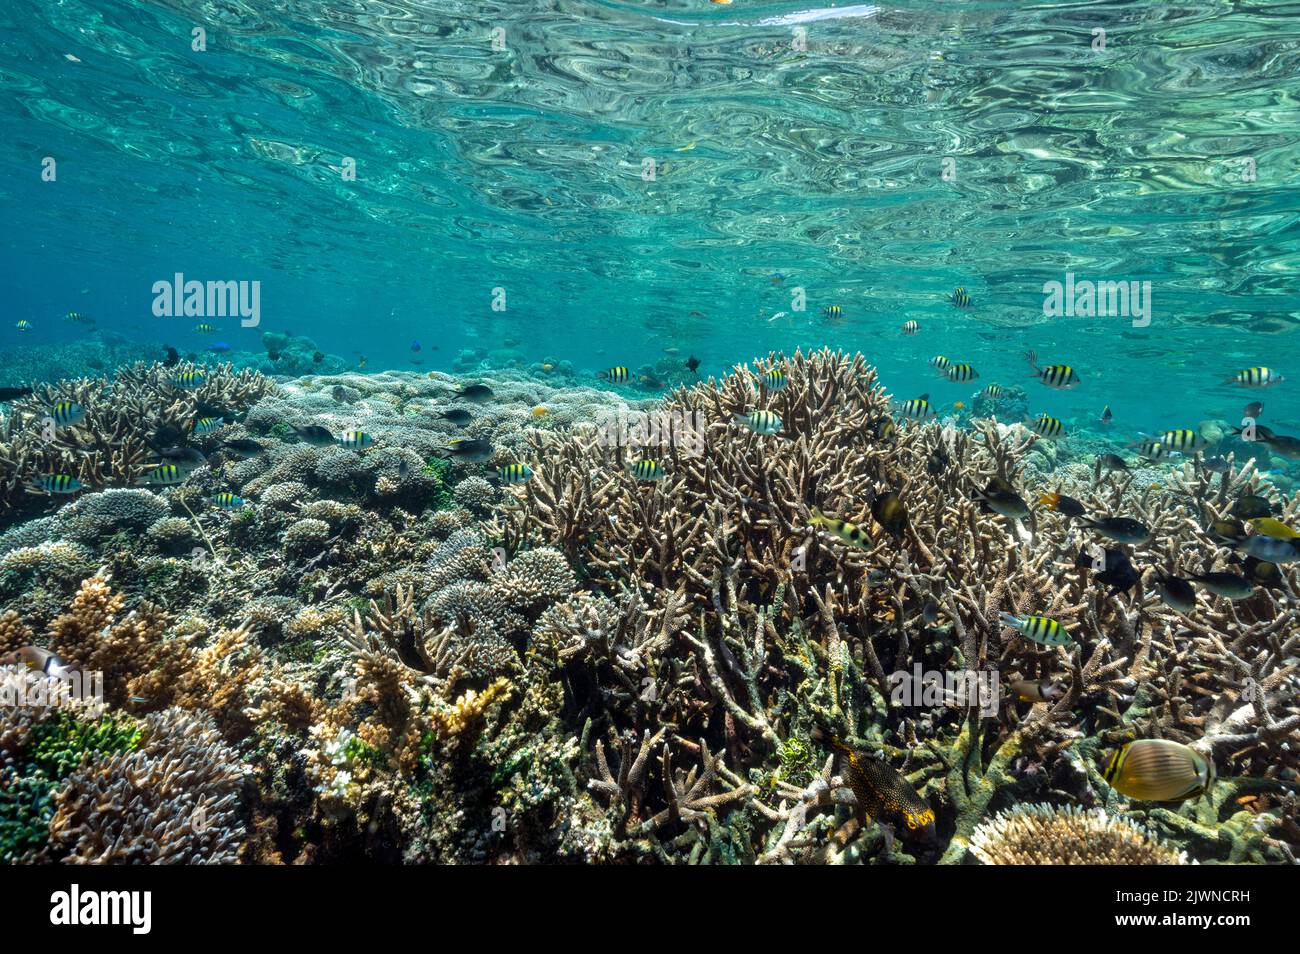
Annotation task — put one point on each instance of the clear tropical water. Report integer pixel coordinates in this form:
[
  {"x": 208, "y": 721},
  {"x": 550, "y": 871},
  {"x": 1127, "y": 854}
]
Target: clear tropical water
[{"x": 787, "y": 140}]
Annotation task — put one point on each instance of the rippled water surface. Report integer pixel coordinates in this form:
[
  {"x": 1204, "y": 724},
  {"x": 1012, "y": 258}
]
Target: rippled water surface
[{"x": 505, "y": 145}]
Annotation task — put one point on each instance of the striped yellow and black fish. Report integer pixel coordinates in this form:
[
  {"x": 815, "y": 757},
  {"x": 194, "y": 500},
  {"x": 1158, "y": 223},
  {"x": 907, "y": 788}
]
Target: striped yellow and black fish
[
  {"x": 917, "y": 409},
  {"x": 189, "y": 380},
  {"x": 67, "y": 413},
  {"x": 514, "y": 474},
  {"x": 1041, "y": 629},
  {"x": 1153, "y": 449},
  {"x": 57, "y": 483},
  {"x": 646, "y": 470},
  {"x": 165, "y": 475},
  {"x": 846, "y": 532},
  {"x": 940, "y": 363},
  {"x": 994, "y": 391},
  {"x": 1256, "y": 378},
  {"x": 910, "y": 327},
  {"x": 80, "y": 318},
  {"x": 1183, "y": 439},
  {"x": 775, "y": 380},
  {"x": 961, "y": 372},
  {"x": 228, "y": 501},
  {"x": 960, "y": 298},
  {"x": 206, "y": 425},
  {"x": 204, "y": 329},
  {"x": 23, "y": 325},
  {"x": 1060, "y": 376},
  {"x": 618, "y": 375},
  {"x": 355, "y": 440},
  {"x": 834, "y": 312},
  {"x": 1159, "y": 770},
  {"x": 1047, "y": 426},
  {"x": 761, "y": 422},
  {"x": 884, "y": 795},
  {"x": 885, "y": 428}
]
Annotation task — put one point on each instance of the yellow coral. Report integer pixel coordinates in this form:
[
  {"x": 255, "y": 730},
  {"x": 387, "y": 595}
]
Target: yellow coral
[{"x": 468, "y": 709}]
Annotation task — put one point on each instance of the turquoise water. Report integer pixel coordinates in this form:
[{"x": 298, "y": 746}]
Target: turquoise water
[{"x": 788, "y": 140}]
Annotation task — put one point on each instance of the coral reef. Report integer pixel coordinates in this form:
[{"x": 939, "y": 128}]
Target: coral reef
[
  {"x": 381, "y": 655},
  {"x": 173, "y": 800},
  {"x": 126, "y": 418}
]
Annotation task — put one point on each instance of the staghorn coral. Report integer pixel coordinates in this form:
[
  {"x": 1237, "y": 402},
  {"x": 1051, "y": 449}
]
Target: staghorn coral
[
  {"x": 792, "y": 628},
  {"x": 453, "y": 720},
  {"x": 123, "y": 415},
  {"x": 1054, "y": 835}
]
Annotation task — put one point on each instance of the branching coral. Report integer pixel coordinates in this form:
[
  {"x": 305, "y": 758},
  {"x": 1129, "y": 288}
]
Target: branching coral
[
  {"x": 174, "y": 801},
  {"x": 125, "y": 418},
  {"x": 778, "y": 627},
  {"x": 613, "y": 669}
]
